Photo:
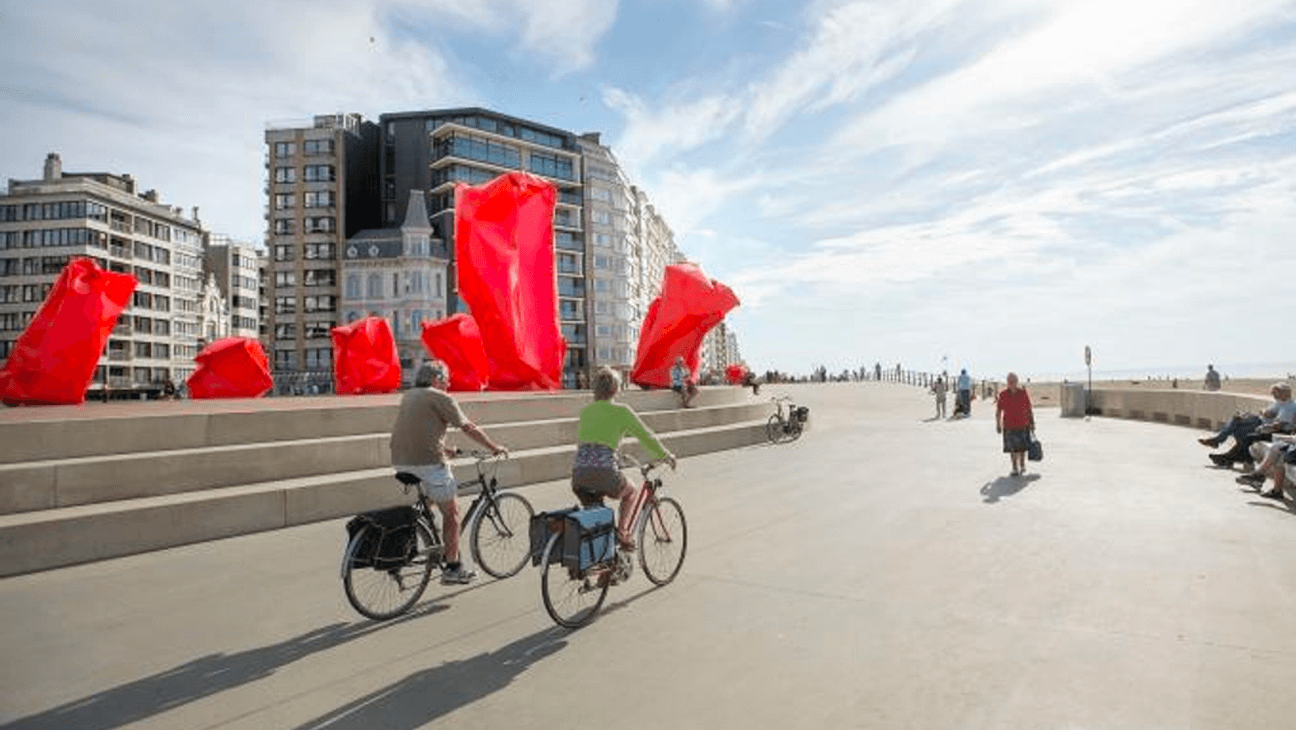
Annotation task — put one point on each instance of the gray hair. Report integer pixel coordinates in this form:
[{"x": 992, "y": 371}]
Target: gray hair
[
  {"x": 606, "y": 383},
  {"x": 1282, "y": 387},
  {"x": 431, "y": 371}
]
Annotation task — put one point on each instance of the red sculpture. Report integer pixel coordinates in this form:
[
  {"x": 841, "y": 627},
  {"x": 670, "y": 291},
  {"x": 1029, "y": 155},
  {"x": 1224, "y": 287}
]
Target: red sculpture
[
  {"x": 54, "y": 359},
  {"x": 736, "y": 374},
  {"x": 365, "y": 359},
  {"x": 505, "y": 261},
  {"x": 690, "y": 304},
  {"x": 235, "y": 367},
  {"x": 457, "y": 341}
]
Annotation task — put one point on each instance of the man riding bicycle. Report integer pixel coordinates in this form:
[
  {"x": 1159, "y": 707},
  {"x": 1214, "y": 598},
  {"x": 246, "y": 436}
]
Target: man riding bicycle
[
  {"x": 418, "y": 447},
  {"x": 595, "y": 471}
]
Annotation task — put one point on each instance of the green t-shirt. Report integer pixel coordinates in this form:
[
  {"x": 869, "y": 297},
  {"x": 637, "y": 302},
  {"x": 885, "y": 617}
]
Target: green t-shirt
[{"x": 605, "y": 422}]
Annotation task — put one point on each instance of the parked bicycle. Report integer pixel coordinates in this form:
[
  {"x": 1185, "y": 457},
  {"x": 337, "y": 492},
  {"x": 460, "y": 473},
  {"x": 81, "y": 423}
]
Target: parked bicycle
[
  {"x": 580, "y": 559},
  {"x": 782, "y": 428},
  {"x": 390, "y": 554}
]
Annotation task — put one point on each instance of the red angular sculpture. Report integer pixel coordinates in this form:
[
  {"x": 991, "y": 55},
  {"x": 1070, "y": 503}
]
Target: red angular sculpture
[
  {"x": 457, "y": 341},
  {"x": 235, "y": 367},
  {"x": 736, "y": 373},
  {"x": 365, "y": 359},
  {"x": 690, "y": 304},
  {"x": 54, "y": 359},
  {"x": 505, "y": 260}
]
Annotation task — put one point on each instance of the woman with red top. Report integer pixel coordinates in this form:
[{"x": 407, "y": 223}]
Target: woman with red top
[{"x": 1015, "y": 420}]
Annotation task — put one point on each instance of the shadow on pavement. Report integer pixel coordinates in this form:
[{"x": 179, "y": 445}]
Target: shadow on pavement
[
  {"x": 1005, "y": 487},
  {"x": 200, "y": 678},
  {"x": 428, "y": 694}
]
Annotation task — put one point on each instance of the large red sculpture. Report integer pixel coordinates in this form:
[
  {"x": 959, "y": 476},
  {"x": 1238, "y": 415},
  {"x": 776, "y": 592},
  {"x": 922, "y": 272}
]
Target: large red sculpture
[
  {"x": 690, "y": 304},
  {"x": 54, "y": 359},
  {"x": 365, "y": 359},
  {"x": 505, "y": 259},
  {"x": 457, "y": 341},
  {"x": 235, "y": 367}
]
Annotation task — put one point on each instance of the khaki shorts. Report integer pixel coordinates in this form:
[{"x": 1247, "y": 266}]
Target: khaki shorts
[{"x": 438, "y": 480}]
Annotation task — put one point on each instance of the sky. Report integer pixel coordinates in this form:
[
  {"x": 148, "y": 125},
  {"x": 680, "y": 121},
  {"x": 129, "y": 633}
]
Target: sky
[{"x": 988, "y": 185}]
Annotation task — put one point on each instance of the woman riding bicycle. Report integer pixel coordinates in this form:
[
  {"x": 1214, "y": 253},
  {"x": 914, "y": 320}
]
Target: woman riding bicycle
[{"x": 595, "y": 471}]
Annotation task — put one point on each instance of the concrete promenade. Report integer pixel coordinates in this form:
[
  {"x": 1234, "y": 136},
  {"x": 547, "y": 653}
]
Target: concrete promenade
[{"x": 883, "y": 572}]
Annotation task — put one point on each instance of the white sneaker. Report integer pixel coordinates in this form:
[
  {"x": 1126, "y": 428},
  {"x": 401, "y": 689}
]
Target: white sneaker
[{"x": 457, "y": 577}]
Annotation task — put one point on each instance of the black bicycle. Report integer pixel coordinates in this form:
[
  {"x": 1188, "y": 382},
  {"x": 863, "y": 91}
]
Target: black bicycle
[
  {"x": 782, "y": 428},
  {"x": 390, "y": 553}
]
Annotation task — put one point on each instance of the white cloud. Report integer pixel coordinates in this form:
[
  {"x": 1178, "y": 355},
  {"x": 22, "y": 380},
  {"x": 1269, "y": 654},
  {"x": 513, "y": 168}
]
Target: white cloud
[
  {"x": 565, "y": 31},
  {"x": 651, "y": 134}
]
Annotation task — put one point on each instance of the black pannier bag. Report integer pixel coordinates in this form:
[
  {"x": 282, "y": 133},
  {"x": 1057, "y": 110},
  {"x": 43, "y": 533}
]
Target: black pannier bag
[
  {"x": 802, "y": 413},
  {"x": 391, "y": 544}
]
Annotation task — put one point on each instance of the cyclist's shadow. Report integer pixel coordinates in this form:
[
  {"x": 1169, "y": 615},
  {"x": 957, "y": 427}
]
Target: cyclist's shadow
[
  {"x": 198, "y": 679},
  {"x": 428, "y": 694}
]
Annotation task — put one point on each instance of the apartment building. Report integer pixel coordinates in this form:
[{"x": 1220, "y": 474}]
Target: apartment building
[
  {"x": 321, "y": 188},
  {"x": 432, "y": 150},
  {"x": 46, "y": 222},
  {"x": 232, "y": 267},
  {"x": 615, "y": 284}
]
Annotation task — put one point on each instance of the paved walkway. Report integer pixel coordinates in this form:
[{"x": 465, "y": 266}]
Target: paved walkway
[{"x": 883, "y": 572}]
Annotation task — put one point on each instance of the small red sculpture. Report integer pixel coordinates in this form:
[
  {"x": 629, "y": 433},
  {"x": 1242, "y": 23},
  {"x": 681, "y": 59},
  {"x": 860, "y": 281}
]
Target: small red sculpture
[
  {"x": 690, "y": 304},
  {"x": 457, "y": 341},
  {"x": 365, "y": 359},
  {"x": 235, "y": 367}
]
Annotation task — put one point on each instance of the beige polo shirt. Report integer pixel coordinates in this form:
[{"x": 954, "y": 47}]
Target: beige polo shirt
[{"x": 421, "y": 422}]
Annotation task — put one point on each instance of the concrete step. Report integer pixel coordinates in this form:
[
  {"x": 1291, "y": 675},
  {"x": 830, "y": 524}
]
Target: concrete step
[
  {"x": 51, "y": 538},
  {"x": 66, "y": 432},
  {"x": 55, "y": 483}
]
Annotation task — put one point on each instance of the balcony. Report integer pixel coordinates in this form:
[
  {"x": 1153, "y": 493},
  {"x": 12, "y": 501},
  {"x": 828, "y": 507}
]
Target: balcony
[
  {"x": 122, "y": 330},
  {"x": 120, "y": 356},
  {"x": 570, "y": 289}
]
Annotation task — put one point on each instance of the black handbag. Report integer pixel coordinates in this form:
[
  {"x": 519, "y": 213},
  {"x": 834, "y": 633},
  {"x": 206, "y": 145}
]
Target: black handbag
[{"x": 1034, "y": 450}]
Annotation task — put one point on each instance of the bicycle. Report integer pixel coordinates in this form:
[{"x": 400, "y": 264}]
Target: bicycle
[
  {"x": 572, "y": 595},
  {"x": 386, "y": 565},
  {"x": 786, "y": 428}
]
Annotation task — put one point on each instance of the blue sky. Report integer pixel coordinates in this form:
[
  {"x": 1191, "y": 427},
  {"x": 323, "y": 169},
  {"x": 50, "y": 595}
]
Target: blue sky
[{"x": 999, "y": 182}]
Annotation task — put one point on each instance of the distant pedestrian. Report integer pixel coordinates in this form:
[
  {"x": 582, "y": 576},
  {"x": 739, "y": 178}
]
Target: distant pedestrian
[
  {"x": 939, "y": 388},
  {"x": 682, "y": 384},
  {"x": 1015, "y": 420},
  {"x": 1212, "y": 378},
  {"x": 964, "y": 404}
]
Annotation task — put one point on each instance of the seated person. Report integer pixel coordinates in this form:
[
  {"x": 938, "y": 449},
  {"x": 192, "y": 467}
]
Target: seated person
[
  {"x": 1273, "y": 463},
  {"x": 681, "y": 384},
  {"x": 1248, "y": 429},
  {"x": 595, "y": 473}
]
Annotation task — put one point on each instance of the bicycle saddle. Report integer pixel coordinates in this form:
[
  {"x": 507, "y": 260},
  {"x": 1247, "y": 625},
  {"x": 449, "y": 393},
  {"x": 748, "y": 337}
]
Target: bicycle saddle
[{"x": 407, "y": 479}]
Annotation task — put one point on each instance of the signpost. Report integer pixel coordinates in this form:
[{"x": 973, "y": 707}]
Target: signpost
[{"x": 1089, "y": 365}]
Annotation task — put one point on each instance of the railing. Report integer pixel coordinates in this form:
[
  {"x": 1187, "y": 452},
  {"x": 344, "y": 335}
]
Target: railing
[
  {"x": 120, "y": 356},
  {"x": 303, "y": 382}
]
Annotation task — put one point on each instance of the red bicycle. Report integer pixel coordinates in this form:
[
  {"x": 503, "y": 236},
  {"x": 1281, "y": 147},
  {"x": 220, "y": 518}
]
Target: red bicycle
[{"x": 576, "y": 570}]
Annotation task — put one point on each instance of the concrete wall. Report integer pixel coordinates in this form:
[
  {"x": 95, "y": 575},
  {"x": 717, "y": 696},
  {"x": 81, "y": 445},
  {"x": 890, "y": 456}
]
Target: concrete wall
[{"x": 1192, "y": 408}]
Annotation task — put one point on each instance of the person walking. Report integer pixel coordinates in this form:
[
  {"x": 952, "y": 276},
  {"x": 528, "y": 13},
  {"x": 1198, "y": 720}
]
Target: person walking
[
  {"x": 964, "y": 403},
  {"x": 1015, "y": 420},
  {"x": 1212, "y": 378},
  {"x": 939, "y": 388}
]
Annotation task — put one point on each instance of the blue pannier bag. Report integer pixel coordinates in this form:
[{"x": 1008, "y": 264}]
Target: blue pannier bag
[
  {"x": 542, "y": 526},
  {"x": 589, "y": 537}
]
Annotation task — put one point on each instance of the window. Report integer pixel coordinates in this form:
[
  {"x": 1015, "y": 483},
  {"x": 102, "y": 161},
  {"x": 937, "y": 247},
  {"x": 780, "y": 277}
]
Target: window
[
  {"x": 285, "y": 305},
  {"x": 322, "y": 251},
  {"x": 374, "y": 287},
  {"x": 319, "y": 277},
  {"x": 285, "y": 226},
  {"x": 318, "y": 303},
  {"x": 602, "y": 262},
  {"x": 283, "y": 253},
  {"x": 319, "y": 358},
  {"x": 286, "y": 331},
  {"x": 353, "y": 286},
  {"x": 319, "y": 199},
  {"x": 283, "y": 201},
  {"x": 600, "y": 307},
  {"x": 285, "y": 175},
  {"x": 318, "y": 173},
  {"x": 597, "y": 193},
  {"x": 438, "y": 284},
  {"x": 321, "y": 224},
  {"x": 317, "y": 147},
  {"x": 285, "y": 360},
  {"x": 285, "y": 278},
  {"x": 284, "y": 149},
  {"x": 318, "y": 330},
  {"x": 552, "y": 166}
]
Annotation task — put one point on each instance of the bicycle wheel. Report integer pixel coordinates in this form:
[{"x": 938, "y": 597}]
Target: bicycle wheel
[
  {"x": 384, "y": 594},
  {"x": 774, "y": 429},
  {"x": 571, "y": 599},
  {"x": 501, "y": 541},
  {"x": 794, "y": 430},
  {"x": 663, "y": 540}
]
